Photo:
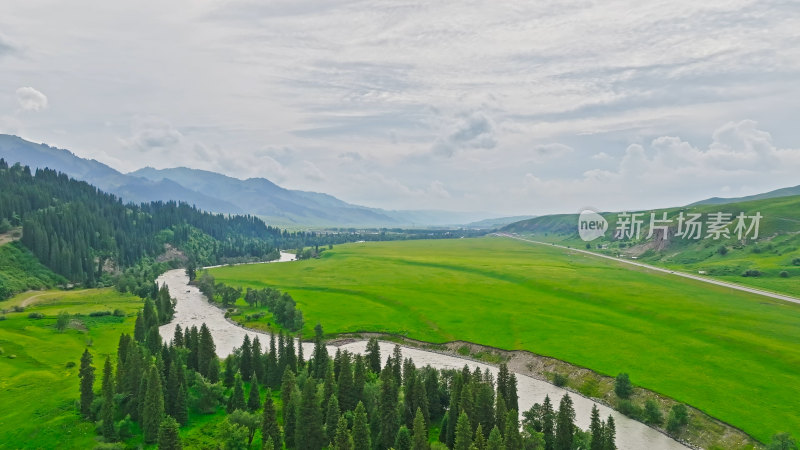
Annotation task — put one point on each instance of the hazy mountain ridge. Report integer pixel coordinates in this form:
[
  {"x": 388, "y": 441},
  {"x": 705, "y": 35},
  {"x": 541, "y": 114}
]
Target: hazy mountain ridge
[
  {"x": 783, "y": 192},
  {"x": 216, "y": 192}
]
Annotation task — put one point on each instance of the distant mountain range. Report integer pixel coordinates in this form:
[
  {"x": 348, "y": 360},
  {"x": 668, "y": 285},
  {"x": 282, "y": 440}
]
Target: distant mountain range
[
  {"x": 784, "y": 192},
  {"x": 215, "y": 192}
]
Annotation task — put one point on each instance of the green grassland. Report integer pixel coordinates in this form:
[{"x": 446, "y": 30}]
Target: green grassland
[
  {"x": 20, "y": 271},
  {"x": 733, "y": 355},
  {"x": 37, "y": 390},
  {"x": 777, "y": 249}
]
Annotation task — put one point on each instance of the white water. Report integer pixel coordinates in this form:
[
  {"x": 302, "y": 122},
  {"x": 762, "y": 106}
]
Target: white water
[{"x": 193, "y": 309}]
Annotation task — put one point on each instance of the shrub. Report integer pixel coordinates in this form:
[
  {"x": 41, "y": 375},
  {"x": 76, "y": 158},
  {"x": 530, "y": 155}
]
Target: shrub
[
  {"x": 463, "y": 350},
  {"x": 12, "y": 357},
  {"x": 62, "y": 321},
  {"x": 652, "y": 412},
  {"x": 630, "y": 409},
  {"x": 796, "y": 261},
  {"x": 722, "y": 250},
  {"x": 35, "y": 315},
  {"x": 623, "y": 386},
  {"x": 751, "y": 273},
  {"x": 3, "y": 317},
  {"x": 19, "y": 308},
  {"x": 99, "y": 313},
  {"x": 119, "y": 313},
  {"x": 678, "y": 418},
  {"x": 560, "y": 380},
  {"x": 784, "y": 274},
  {"x": 70, "y": 364}
]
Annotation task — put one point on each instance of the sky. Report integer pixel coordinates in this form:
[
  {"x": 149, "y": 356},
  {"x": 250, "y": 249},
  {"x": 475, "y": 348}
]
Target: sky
[{"x": 513, "y": 107}]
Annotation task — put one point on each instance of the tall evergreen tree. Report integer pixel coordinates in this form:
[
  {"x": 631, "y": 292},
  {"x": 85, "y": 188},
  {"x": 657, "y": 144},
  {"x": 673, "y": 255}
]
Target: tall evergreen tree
[
  {"x": 342, "y": 439},
  {"x": 453, "y": 411},
  {"x": 246, "y": 359},
  {"x": 484, "y": 407},
  {"x": 168, "y": 435},
  {"x": 271, "y": 366},
  {"x": 288, "y": 386},
  {"x": 236, "y": 400},
  {"x": 359, "y": 378},
  {"x": 107, "y": 414},
  {"x": 290, "y": 418},
  {"x": 512, "y": 437},
  {"x": 361, "y": 437},
  {"x": 269, "y": 423},
  {"x": 565, "y": 424},
  {"x": 387, "y": 411},
  {"x": 230, "y": 371},
  {"x": 403, "y": 439},
  {"x": 153, "y": 411},
  {"x": 258, "y": 366},
  {"x": 254, "y": 399},
  {"x": 479, "y": 443},
  {"x": 86, "y": 374},
  {"x": 177, "y": 338},
  {"x": 500, "y": 413},
  {"x": 332, "y": 418},
  {"x": 320, "y": 357},
  {"x": 206, "y": 351},
  {"x": 610, "y": 435},
  {"x": 463, "y": 439},
  {"x": 373, "y": 355},
  {"x": 139, "y": 330},
  {"x": 309, "y": 434},
  {"x": 344, "y": 384},
  {"x": 548, "y": 424},
  {"x": 495, "y": 441},
  {"x": 420, "y": 438},
  {"x": 596, "y": 428},
  {"x": 511, "y": 396},
  {"x": 182, "y": 406}
]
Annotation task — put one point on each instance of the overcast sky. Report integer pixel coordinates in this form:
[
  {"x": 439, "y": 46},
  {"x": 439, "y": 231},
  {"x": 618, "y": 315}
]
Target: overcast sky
[{"x": 508, "y": 107}]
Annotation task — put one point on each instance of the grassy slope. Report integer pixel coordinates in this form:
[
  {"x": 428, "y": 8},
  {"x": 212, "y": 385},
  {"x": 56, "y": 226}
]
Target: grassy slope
[
  {"x": 20, "y": 271},
  {"x": 731, "y": 354},
  {"x": 38, "y": 379},
  {"x": 778, "y": 244}
]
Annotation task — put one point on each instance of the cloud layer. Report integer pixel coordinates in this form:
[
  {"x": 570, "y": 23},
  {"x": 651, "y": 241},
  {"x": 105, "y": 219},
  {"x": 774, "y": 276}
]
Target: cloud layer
[{"x": 517, "y": 108}]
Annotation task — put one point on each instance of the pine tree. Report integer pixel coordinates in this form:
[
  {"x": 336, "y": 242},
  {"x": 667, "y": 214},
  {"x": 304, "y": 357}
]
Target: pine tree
[
  {"x": 168, "y": 435},
  {"x": 139, "y": 331},
  {"x": 361, "y": 437},
  {"x": 246, "y": 359},
  {"x": 182, "y": 406},
  {"x": 495, "y": 441},
  {"x": 258, "y": 365},
  {"x": 288, "y": 385},
  {"x": 230, "y": 372},
  {"x": 269, "y": 423},
  {"x": 403, "y": 439},
  {"x": 420, "y": 439},
  {"x": 268, "y": 445},
  {"x": 342, "y": 439},
  {"x": 331, "y": 417},
  {"x": 479, "y": 443},
  {"x": 610, "y": 435},
  {"x": 309, "y": 434},
  {"x": 236, "y": 400},
  {"x": 153, "y": 410},
  {"x": 329, "y": 386},
  {"x": 565, "y": 424},
  {"x": 596, "y": 428},
  {"x": 344, "y": 385},
  {"x": 86, "y": 374},
  {"x": 548, "y": 424},
  {"x": 397, "y": 365},
  {"x": 373, "y": 355},
  {"x": 254, "y": 400},
  {"x": 502, "y": 382},
  {"x": 320, "y": 357},
  {"x": 206, "y": 351},
  {"x": 463, "y": 439},
  {"x": 511, "y": 396},
  {"x": 359, "y": 378},
  {"x": 512, "y": 437},
  {"x": 177, "y": 338},
  {"x": 107, "y": 414},
  {"x": 500, "y": 413},
  {"x": 271, "y": 366},
  {"x": 467, "y": 405},
  {"x": 290, "y": 418},
  {"x": 387, "y": 411}
]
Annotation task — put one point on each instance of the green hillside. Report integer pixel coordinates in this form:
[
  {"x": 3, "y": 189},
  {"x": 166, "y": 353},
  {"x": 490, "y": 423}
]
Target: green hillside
[{"x": 21, "y": 271}]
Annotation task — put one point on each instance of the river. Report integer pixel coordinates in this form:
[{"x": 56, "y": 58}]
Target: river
[{"x": 192, "y": 309}]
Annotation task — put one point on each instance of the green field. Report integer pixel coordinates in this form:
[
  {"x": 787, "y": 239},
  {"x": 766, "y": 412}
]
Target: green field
[
  {"x": 37, "y": 391},
  {"x": 731, "y": 354}
]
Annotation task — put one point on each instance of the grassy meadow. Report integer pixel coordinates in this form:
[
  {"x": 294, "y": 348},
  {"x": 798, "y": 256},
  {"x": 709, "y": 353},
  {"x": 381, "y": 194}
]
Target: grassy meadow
[{"x": 733, "y": 355}]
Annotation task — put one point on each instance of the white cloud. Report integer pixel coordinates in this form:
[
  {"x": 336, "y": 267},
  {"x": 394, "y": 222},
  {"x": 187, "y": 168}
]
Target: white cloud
[
  {"x": 312, "y": 172},
  {"x": 151, "y": 133},
  {"x": 472, "y": 131},
  {"x": 30, "y": 99}
]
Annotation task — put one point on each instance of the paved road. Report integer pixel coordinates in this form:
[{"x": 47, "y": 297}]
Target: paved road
[{"x": 738, "y": 287}]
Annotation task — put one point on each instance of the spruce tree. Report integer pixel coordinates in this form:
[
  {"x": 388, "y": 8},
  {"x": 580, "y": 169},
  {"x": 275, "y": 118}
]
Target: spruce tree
[
  {"x": 596, "y": 428},
  {"x": 290, "y": 418},
  {"x": 309, "y": 434},
  {"x": 168, "y": 435},
  {"x": 271, "y": 366},
  {"x": 453, "y": 411},
  {"x": 511, "y": 396},
  {"x": 420, "y": 438},
  {"x": 500, "y": 413},
  {"x": 177, "y": 338},
  {"x": 331, "y": 418},
  {"x": 288, "y": 386},
  {"x": 495, "y": 441},
  {"x": 373, "y": 355},
  {"x": 359, "y": 378},
  {"x": 107, "y": 414},
  {"x": 344, "y": 385},
  {"x": 206, "y": 351},
  {"x": 181, "y": 410},
  {"x": 86, "y": 374},
  {"x": 246, "y": 359},
  {"x": 484, "y": 407},
  {"x": 258, "y": 364},
  {"x": 463, "y": 438},
  {"x": 565, "y": 424},
  {"x": 387, "y": 411},
  {"x": 269, "y": 423},
  {"x": 467, "y": 405},
  {"x": 479, "y": 443},
  {"x": 153, "y": 410},
  {"x": 502, "y": 382},
  {"x": 230, "y": 372},
  {"x": 512, "y": 437},
  {"x": 254, "y": 400},
  {"x": 548, "y": 424},
  {"x": 236, "y": 400},
  {"x": 342, "y": 439},
  {"x": 403, "y": 439},
  {"x": 610, "y": 435},
  {"x": 320, "y": 357},
  {"x": 361, "y": 437},
  {"x": 139, "y": 330}
]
